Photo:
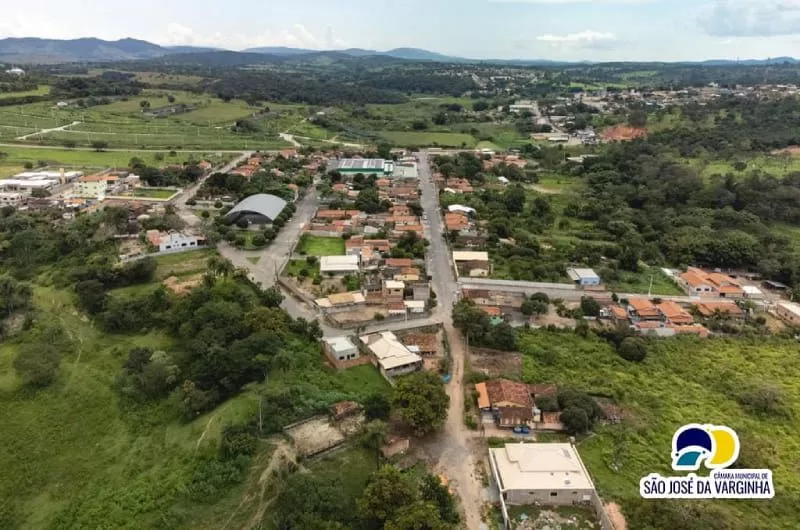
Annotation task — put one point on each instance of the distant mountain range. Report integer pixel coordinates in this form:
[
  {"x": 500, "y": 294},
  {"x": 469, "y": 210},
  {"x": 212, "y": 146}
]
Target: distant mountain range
[{"x": 47, "y": 51}]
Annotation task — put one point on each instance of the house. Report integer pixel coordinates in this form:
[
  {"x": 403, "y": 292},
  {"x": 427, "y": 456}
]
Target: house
[
  {"x": 10, "y": 198},
  {"x": 93, "y": 186},
  {"x": 728, "y": 308},
  {"x": 393, "y": 290},
  {"x": 675, "y": 314},
  {"x": 752, "y": 292},
  {"x": 697, "y": 282},
  {"x": 391, "y": 356},
  {"x": 458, "y": 208},
  {"x": 643, "y": 309},
  {"x": 422, "y": 292},
  {"x": 414, "y": 306},
  {"x": 511, "y": 402},
  {"x": 617, "y": 314},
  {"x": 583, "y": 276},
  {"x": 205, "y": 165},
  {"x": 540, "y": 473},
  {"x": 340, "y": 348},
  {"x": 340, "y": 300},
  {"x": 372, "y": 289},
  {"x": 338, "y": 264},
  {"x": 472, "y": 263},
  {"x": 492, "y": 311},
  {"x": 173, "y": 241},
  {"x": 455, "y": 222},
  {"x": 789, "y": 312},
  {"x": 399, "y": 263}
]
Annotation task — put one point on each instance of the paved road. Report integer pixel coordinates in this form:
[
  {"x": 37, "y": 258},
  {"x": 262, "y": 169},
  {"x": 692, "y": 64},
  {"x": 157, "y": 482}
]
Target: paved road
[
  {"x": 554, "y": 290},
  {"x": 45, "y": 131},
  {"x": 452, "y": 444}
]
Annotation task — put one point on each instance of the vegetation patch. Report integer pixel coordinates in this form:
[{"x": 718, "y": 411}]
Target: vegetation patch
[{"x": 321, "y": 246}]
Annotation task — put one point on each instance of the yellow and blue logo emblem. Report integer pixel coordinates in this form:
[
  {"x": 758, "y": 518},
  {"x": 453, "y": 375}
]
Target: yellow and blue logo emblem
[{"x": 715, "y": 446}]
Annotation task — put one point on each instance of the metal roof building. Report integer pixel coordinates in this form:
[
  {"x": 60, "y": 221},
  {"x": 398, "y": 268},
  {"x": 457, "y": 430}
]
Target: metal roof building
[{"x": 261, "y": 208}]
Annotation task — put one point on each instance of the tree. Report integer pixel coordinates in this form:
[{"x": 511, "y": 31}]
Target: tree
[
  {"x": 144, "y": 104},
  {"x": 514, "y": 198},
  {"x": 470, "y": 319},
  {"x": 37, "y": 363},
  {"x": 171, "y": 98},
  {"x": 589, "y": 306},
  {"x": 372, "y": 437},
  {"x": 501, "y": 337},
  {"x": 99, "y": 145},
  {"x": 14, "y": 295},
  {"x": 547, "y": 403},
  {"x": 440, "y": 118},
  {"x": 377, "y": 407},
  {"x": 480, "y": 106},
  {"x": 311, "y": 501},
  {"x": 91, "y": 296},
  {"x": 418, "y": 516},
  {"x": 575, "y": 420},
  {"x": 421, "y": 402},
  {"x": 633, "y": 349},
  {"x": 637, "y": 118},
  {"x": 534, "y": 307},
  {"x": 432, "y": 490},
  {"x": 387, "y": 492}
]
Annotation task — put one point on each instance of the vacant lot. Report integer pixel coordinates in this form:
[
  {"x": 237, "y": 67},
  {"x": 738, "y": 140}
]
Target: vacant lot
[
  {"x": 155, "y": 193},
  {"x": 321, "y": 246},
  {"x": 183, "y": 264},
  {"x": 683, "y": 380}
]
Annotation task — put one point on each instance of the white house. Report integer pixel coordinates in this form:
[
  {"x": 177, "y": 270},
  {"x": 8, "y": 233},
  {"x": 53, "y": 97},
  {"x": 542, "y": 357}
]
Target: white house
[
  {"x": 174, "y": 241},
  {"x": 340, "y": 348},
  {"x": 789, "y": 312},
  {"x": 15, "y": 71},
  {"x": 540, "y": 473},
  {"x": 338, "y": 264},
  {"x": 390, "y": 355},
  {"x": 453, "y": 208}
]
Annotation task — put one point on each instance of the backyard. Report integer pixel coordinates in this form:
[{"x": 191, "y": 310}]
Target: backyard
[{"x": 682, "y": 380}]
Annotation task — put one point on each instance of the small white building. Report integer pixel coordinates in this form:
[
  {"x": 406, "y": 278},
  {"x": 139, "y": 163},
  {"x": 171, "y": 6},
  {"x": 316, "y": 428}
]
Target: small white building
[
  {"x": 583, "y": 276},
  {"x": 752, "y": 292},
  {"x": 503, "y": 180},
  {"x": 459, "y": 208},
  {"x": 15, "y": 71},
  {"x": 27, "y": 186},
  {"x": 338, "y": 264},
  {"x": 340, "y": 348},
  {"x": 390, "y": 356},
  {"x": 789, "y": 312},
  {"x": 8, "y": 198},
  {"x": 540, "y": 473},
  {"x": 415, "y": 306}
]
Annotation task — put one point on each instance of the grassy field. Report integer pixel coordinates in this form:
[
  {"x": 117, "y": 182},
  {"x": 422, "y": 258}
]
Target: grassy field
[
  {"x": 777, "y": 165},
  {"x": 444, "y": 139},
  {"x": 639, "y": 282},
  {"x": 17, "y": 156},
  {"x": 42, "y": 90},
  {"x": 682, "y": 380},
  {"x": 321, "y": 246}
]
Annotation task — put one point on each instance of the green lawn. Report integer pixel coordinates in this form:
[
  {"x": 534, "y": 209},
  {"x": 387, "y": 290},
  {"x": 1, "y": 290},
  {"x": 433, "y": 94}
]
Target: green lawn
[
  {"x": 321, "y": 246},
  {"x": 154, "y": 193},
  {"x": 42, "y": 90},
  {"x": 294, "y": 266},
  {"x": 682, "y": 380},
  {"x": 443, "y": 139},
  {"x": 776, "y": 165}
]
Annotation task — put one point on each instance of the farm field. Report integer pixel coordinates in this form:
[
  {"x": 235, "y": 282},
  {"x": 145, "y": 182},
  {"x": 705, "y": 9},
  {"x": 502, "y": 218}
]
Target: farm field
[
  {"x": 42, "y": 90},
  {"x": 776, "y": 165},
  {"x": 17, "y": 156},
  {"x": 443, "y": 139},
  {"x": 682, "y": 380},
  {"x": 321, "y": 246}
]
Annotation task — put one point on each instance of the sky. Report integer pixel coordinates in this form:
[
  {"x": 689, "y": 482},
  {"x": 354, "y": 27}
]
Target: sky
[{"x": 596, "y": 30}]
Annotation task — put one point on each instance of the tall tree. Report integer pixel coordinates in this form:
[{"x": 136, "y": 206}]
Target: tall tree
[{"x": 421, "y": 401}]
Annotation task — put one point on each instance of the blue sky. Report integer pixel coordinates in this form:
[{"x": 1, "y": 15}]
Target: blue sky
[{"x": 548, "y": 29}]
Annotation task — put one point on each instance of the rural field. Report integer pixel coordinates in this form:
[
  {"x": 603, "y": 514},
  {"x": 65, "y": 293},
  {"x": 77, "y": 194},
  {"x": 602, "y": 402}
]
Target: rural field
[
  {"x": 683, "y": 380},
  {"x": 16, "y": 157},
  {"x": 442, "y": 139}
]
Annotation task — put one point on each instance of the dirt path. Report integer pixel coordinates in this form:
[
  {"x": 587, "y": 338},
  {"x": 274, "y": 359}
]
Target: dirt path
[
  {"x": 45, "y": 131},
  {"x": 615, "y": 514}
]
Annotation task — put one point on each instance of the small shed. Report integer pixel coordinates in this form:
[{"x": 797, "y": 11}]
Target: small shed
[{"x": 583, "y": 276}]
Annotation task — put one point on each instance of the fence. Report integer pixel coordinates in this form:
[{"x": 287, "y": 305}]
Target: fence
[{"x": 600, "y": 511}]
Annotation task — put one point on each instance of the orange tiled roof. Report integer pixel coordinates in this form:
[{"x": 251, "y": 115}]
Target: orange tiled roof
[{"x": 504, "y": 390}]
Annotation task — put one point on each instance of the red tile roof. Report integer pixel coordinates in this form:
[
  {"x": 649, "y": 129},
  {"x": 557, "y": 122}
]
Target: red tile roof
[{"x": 504, "y": 390}]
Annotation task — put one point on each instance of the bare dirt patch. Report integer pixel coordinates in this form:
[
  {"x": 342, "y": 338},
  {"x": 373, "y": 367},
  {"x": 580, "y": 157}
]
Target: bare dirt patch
[
  {"x": 496, "y": 363},
  {"x": 320, "y": 433},
  {"x": 623, "y": 133},
  {"x": 552, "y": 318},
  {"x": 792, "y": 151},
  {"x": 614, "y": 513},
  {"x": 358, "y": 316}
]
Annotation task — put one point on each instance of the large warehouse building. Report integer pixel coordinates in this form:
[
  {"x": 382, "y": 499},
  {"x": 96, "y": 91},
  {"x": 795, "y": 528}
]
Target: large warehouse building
[
  {"x": 257, "y": 209},
  {"x": 365, "y": 166}
]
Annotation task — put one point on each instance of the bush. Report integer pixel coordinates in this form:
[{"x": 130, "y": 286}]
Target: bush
[
  {"x": 379, "y": 316},
  {"x": 37, "y": 364},
  {"x": 765, "y": 401},
  {"x": 259, "y": 241},
  {"x": 547, "y": 404},
  {"x": 589, "y": 306},
  {"x": 575, "y": 420},
  {"x": 191, "y": 202},
  {"x": 633, "y": 349}
]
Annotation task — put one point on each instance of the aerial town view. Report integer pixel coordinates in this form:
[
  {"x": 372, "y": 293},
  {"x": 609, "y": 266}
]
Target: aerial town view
[{"x": 255, "y": 274}]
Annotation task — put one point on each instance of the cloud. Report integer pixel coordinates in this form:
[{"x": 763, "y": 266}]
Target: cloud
[
  {"x": 296, "y": 36},
  {"x": 585, "y": 39},
  {"x": 751, "y": 18}
]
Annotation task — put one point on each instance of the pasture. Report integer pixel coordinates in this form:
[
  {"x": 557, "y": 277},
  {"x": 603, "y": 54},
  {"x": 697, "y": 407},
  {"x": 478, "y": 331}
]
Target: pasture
[
  {"x": 682, "y": 380},
  {"x": 442, "y": 139}
]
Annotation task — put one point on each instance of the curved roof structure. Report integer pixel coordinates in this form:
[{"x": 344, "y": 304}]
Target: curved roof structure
[{"x": 264, "y": 204}]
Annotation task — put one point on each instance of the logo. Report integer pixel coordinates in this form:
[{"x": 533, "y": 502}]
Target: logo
[{"x": 713, "y": 447}]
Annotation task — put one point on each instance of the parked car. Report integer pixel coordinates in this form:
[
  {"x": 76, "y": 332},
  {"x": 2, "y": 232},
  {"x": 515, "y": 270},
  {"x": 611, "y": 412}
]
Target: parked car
[{"x": 522, "y": 429}]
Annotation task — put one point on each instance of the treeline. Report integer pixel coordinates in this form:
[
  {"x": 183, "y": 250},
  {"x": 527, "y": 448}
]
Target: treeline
[
  {"x": 297, "y": 88},
  {"x": 433, "y": 81},
  {"x": 83, "y": 87}
]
